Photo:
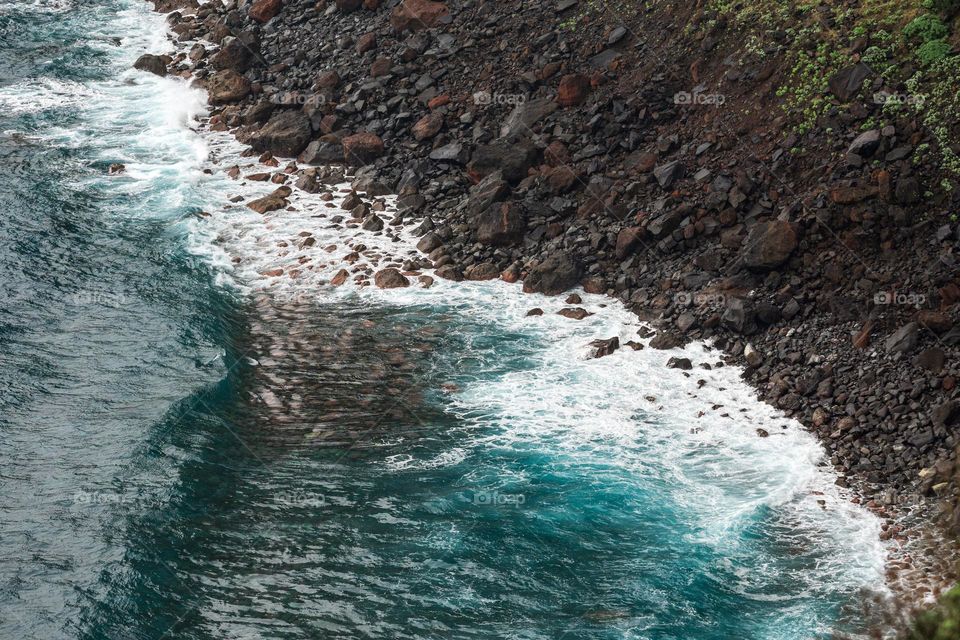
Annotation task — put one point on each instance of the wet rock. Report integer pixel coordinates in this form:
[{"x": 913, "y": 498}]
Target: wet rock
[
  {"x": 602, "y": 348},
  {"x": 227, "y": 86},
  {"x": 285, "y": 134},
  {"x": 156, "y": 65},
  {"x": 482, "y": 271},
  {"x": 752, "y": 356},
  {"x": 274, "y": 201},
  {"x": 555, "y": 275},
  {"x": 429, "y": 242},
  {"x": 574, "y": 313},
  {"x": 390, "y": 278},
  {"x": 536, "y": 311},
  {"x": 373, "y": 223},
  {"x": 340, "y": 277},
  {"x": 679, "y": 363},
  {"x": 665, "y": 341}
]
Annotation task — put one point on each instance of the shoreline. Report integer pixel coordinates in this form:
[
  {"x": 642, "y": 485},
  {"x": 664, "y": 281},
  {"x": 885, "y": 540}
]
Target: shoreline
[{"x": 893, "y": 511}]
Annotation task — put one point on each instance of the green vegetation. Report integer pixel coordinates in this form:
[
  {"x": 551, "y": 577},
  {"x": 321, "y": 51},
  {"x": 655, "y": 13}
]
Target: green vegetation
[{"x": 940, "y": 623}]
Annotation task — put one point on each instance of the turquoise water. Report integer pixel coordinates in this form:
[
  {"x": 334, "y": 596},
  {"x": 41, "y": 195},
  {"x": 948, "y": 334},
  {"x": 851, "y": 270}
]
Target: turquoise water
[{"x": 191, "y": 449}]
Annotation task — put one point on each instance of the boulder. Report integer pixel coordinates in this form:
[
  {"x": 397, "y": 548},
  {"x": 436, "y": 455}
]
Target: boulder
[
  {"x": 525, "y": 116},
  {"x": 512, "y": 159},
  {"x": 501, "y": 225},
  {"x": 554, "y": 276},
  {"x": 866, "y": 143},
  {"x": 428, "y": 126},
  {"x": 482, "y": 271},
  {"x": 286, "y": 134},
  {"x": 602, "y": 348},
  {"x": 846, "y": 83},
  {"x": 233, "y": 54},
  {"x": 227, "y": 86},
  {"x": 628, "y": 240},
  {"x": 770, "y": 244},
  {"x": 156, "y": 65},
  {"x": 362, "y": 148},
  {"x": 347, "y": 6},
  {"x": 390, "y": 278},
  {"x": 573, "y": 90},
  {"x": 322, "y": 152},
  {"x": 264, "y": 10},
  {"x": 683, "y": 364},
  {"x": 272, "y": 202},
  {"x": 414, "y": 15},
  {"x": 904, "y": 339},
  {"x": 668, "y": 173}
]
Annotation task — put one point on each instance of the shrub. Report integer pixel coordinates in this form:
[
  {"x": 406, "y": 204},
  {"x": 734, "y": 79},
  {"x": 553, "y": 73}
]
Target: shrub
[
  {"x": 933, "y": 51},
  {"x": 941, "y": 623},
  {"x": 926, "y": 28}
]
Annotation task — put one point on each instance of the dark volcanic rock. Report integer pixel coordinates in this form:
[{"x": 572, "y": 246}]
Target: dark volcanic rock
[
  {"x": 265, "y": 10},
  {"x": 512, "y": 159},
  {"x": 553, "y": 276},
  {"x": 285, "y": 134},
  {"x": 846, "y": 83},
  {"x": 234, "y": 54},
  {"x": 156, "y": 65},
  {"x": 390, "y": 279},
  {"x": 362, "y": 148},
  {"x": 601, "y": 348},
  {"x": 501, "y": 225},
  {"x": 770, "y": 244}
]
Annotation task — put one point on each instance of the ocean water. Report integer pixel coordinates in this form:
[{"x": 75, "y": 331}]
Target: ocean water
[{"x": 192, "y": 446}]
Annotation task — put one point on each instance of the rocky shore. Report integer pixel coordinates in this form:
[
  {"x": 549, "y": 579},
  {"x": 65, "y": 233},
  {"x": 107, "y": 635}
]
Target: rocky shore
[{"x": 641, "y": 152}]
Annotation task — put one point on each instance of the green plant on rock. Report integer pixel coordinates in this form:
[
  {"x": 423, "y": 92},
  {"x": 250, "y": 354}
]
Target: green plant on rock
[
  {"x": 933, "y": 51},
  {"x": 940, "y": 623},
  {"x": 926, "y": 28}
]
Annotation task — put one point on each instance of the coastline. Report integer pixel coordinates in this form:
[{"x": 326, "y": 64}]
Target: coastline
[{"x": 895, "y": 509}]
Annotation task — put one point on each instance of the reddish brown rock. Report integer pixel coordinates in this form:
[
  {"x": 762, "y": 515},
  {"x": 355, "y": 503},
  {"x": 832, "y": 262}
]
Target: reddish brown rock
[
  {"x": 427, "y": 126},
  {"x": 414, "y": 15},
  {"x": 628, "y": 240},
  {"x": 573, "y": 90},
  {"x": 482, "y": 271},
  {"x": 366, "y": 42},
  {"x": 362, "y": 148},
  {"x": 574, "y": 313},
  {"x": 556, "y": 154},
  {"x": 263, "y": 10},
  {"x": 227, "y": 86},
  {"x": 770, "y": 244},
  {"x": 380, "y": 67},
  {"x": 328, "y": 80},
  {"x": 390, "y": 279},
  {"x": 340, "y": 277}
]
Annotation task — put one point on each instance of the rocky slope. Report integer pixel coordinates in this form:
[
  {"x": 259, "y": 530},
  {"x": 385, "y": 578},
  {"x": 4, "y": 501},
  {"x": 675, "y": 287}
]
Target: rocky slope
[{"x": 714, "y": 166}]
